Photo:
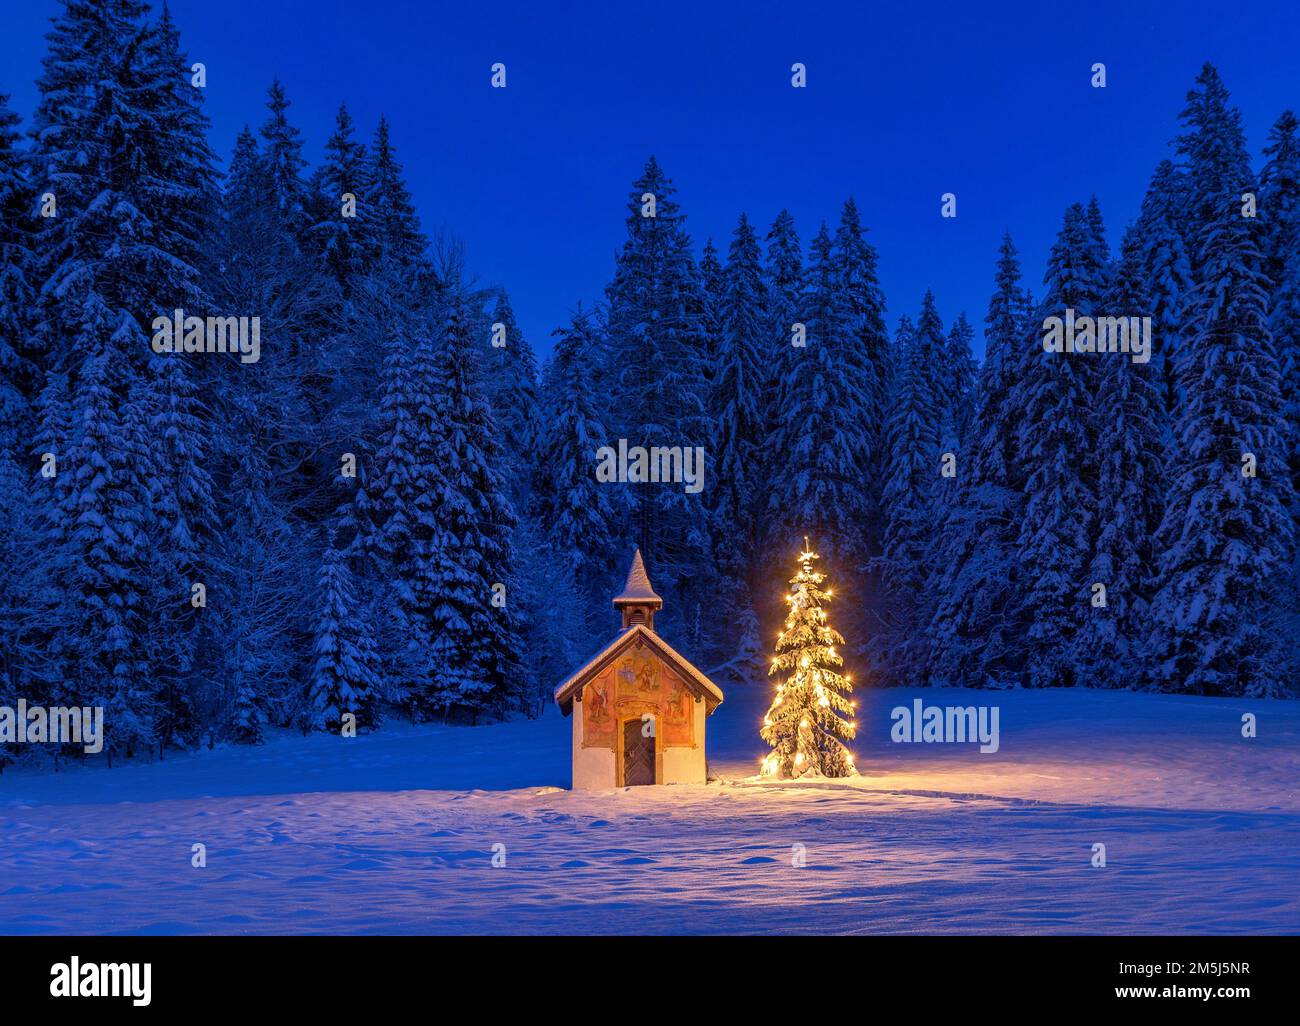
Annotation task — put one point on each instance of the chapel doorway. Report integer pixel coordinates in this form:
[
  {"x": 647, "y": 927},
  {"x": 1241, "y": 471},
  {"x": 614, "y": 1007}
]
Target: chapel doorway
[{"x": 638, "y": 752}]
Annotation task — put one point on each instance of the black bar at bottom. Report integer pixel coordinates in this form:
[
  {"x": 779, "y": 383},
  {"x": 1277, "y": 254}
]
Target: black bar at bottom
[{"x": 739, "y": 976}]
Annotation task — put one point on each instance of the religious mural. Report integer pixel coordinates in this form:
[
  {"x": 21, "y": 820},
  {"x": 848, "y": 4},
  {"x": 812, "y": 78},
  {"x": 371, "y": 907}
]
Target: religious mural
[{"x": 635, "y": 683}]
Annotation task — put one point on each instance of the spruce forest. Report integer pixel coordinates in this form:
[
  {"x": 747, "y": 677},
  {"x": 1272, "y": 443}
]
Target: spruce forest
[{"x": 394, "y": 510}]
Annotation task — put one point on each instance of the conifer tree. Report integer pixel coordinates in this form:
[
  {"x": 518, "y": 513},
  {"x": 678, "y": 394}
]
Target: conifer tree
[
  {"x": 909, "y": 498},
  {"x": 18, "y": 386},
  {"x": 658, "y": 346},
  {"x": 397, "y": 515},
  {"x": 283, "y": 164},
  {"x": 822, "y": 436},
  {"x": 1167, "y": 275},
  {"x": 266, "y": 490},
  {"x": 973, "y": 638},
  {"x": 510, "y": 387},
  {"x": 343, "y": 241},
  {"x": 122, "y": 247},
  {"x": 577, "y": 513},
  {"x": 809, "y": 721},
  {"x": 179, "y": 195},
  {"x": 866, "y": 359},
  {"x": 713, "y": 289},
  {"x": 557, "y": 631},
  {"x": 398, "y": 226},
  {"x": 784, "y": 281},
  {"x": 958, "y": 381},
  {"x": 1280, "y": 202},
  {"x": 18, "y": 372},
  {"x": 1055, "y": 404},
  {"x": 1110, "y": 645},
  {"x": 473, "y": 626},
  {"x": 1226, "y": 537},
  {"x": 736, "y": 410},
  {"x": 343, "y": 677},
  {"x": 1098, "y": 248}
]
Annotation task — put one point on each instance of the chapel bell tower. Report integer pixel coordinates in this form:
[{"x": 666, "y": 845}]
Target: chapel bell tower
[{"x": 638, "y": 601}]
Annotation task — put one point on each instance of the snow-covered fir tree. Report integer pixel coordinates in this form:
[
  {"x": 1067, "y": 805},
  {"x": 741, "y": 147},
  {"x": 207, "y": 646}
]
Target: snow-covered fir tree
[
  {"x": 821, "y": 440},
  {"x": 1055, "y": 404},
  {"x": 736, "y": 411},
  {"x": 810, "y": 721},
  {"x": 866, "y": 356},
  {"x": 18, "y": 371},
  {"x": 126, "y": 146},
  {"x": 1227, "y": 534},
  {"x": 18, "y": 388},
  {"x": 263, "y": 557},
  {"x": 713, "y": 291},
  {"x": 509, "y": 383},
  {"x": 342, "y": 230},
  {"x": 473, "y": 625},
  {"x": 282, "y": 163},
  {"x": 1167, "y": 275},
  {"x": 1111, "y": 643},
  {"x": 910, "y": 491},
  {"x": 958, "y": 380},
  {"x": 398, "y": 225},
  {"x": 343, "y": 678},
  {"x": 576, "y": 513},
  {"x": 784, "y": 281},
  {"x": 954, "y": 510},
  {"x": 180, "y": 198},
  {"x": 972, "y": 638},
  {"x": 657, "y": 347},
  {"x": 1280, "y": 213}
]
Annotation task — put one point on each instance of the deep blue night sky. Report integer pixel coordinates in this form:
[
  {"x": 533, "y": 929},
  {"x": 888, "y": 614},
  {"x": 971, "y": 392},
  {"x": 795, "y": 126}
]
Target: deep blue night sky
[{"x": 905, "y": 101}]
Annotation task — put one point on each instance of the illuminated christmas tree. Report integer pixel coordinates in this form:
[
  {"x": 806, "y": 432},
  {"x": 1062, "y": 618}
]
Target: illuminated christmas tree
[{"x": 810, "y": 719}]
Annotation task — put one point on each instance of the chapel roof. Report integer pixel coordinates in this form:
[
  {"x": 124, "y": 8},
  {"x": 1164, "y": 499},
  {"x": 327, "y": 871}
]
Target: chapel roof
[
  {"x": 637, "y": 590},
  {"x": 695, "y": 679}
]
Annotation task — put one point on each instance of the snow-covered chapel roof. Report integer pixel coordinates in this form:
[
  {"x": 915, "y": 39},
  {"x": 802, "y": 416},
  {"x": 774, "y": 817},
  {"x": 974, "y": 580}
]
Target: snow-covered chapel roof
[
  {"x": 637, "y": 590},
  {"x": 699, "y": 683}
]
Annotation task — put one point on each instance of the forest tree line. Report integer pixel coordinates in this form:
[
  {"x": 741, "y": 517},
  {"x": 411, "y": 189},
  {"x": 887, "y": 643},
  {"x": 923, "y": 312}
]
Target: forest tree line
[{"x": 388, "y": 512}]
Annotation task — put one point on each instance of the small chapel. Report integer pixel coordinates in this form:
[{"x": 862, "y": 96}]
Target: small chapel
[{"x": 638, "y": 705}]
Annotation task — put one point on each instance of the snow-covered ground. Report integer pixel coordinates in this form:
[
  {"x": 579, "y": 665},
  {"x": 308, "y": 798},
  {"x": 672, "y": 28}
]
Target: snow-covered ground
[{"x": 395, "y": 832}]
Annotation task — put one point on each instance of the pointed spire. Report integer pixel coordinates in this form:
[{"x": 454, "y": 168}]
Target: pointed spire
[{"x": 637, "y": 590}]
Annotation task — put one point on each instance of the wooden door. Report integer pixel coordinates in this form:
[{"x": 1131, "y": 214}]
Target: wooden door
[{"x": 638, "y": 753}]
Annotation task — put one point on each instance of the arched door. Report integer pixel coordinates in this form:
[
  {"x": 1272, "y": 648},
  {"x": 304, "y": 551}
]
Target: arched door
[{"x": 639, "y": 751}]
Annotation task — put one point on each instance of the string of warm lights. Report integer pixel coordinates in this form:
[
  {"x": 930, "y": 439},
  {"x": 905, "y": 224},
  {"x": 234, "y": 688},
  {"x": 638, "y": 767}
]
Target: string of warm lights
[{"x": 809, "y": 721}]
